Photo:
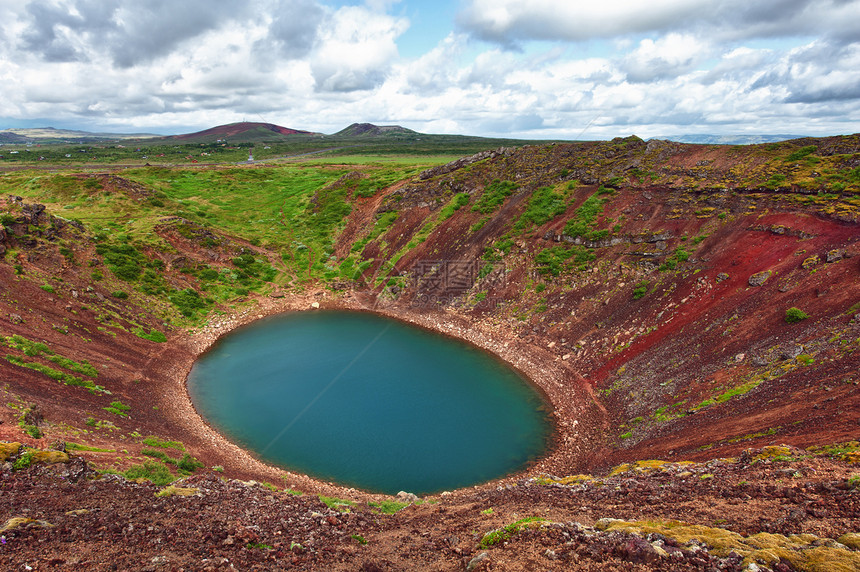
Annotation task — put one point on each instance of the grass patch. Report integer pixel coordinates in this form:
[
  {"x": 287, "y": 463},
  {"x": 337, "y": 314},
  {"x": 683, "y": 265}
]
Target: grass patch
[
  {"x": 501, "y": 534},
  {"x": 154, "y": 441},
  {"x": 584, "y": 218},
  {"x": 153, "y": 336},
  {"x": 118, "y": 408},
  {"x": 337, "y": 504},
  {"x": 64, "y": 378},
  {"x": 80, "y": 447},
  {"x": 459, "y": 201},
  {"x": 186, "y": 465},
  {"x": 554, "y": 260},
  {"x": 733, "y": 392},
  {"x": 154, "y": 471},
  {"x": 388, "y": 506},
  {"x": 493, "y": 196},
  {"x": 544, "y": 205}
]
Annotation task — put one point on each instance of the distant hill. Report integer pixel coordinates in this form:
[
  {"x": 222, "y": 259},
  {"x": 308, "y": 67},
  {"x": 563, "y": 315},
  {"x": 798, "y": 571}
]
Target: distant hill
[
  {"x": 705, "y": 139},
  {"x": 371, "y": 130},
  {"x": 242, "y": 132},
  {"x": 51, "y": 135}
]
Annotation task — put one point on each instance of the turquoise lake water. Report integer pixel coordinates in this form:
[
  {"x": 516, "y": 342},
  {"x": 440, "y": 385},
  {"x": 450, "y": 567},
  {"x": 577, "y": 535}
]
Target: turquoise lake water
[{"x": 369, "y": 402}]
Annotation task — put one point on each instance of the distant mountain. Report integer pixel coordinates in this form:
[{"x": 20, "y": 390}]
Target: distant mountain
[
  {"x": 371, "y": 130},
  {"x": 242, "y": 132},
  {"x": 704, "y": 139},
  {"x": 7, "y": 137},
  {"x": 51, "y": 135}
]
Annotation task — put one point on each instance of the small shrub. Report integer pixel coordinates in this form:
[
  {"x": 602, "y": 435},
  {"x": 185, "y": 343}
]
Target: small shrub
[
  {"x": 119, "y": 294},
  {"x": 793, "y": 315},
  {"x": 640, "y": 290},
  {"x": 47, "y": 288},
  {"x": 153, "y": 471},
  {"x": 188, "y": 464},
  {"x": 23, "y": 461},
  {"x": 801, "y": 153}
]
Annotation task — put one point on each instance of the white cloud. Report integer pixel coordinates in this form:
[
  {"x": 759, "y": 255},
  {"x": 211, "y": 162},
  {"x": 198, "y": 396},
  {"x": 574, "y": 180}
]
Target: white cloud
[
  {"x": 355, "y": 49},
  {"x": 666, "y": 57},
  {"x": 509, "y": 22},
  {"x": 605, "y": 69}
]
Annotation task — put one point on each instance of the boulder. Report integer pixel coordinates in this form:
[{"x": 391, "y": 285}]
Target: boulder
[
  {"x": 834, "y": 255},
  {"x": 8, "y": 449},
  {"x": 759, "y": 278},
  {"x": 403, "y": 496}
]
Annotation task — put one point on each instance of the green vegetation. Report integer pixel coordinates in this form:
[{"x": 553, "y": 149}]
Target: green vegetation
[
  {"x": 65, "y": 378},
  {"x": 23, "y": 461},
  {"x": 186, "y": 465},
  {"x": 336, "y": 503},
  {"x": 640, "y": 290},
  {"x": 154, "y": 441},
  {"x": 554, "y": 260},
  {"x": 585, "y": 217},
  {"x": 544, "y": 205},
  {"x": 493, "y": 196},
  {"x": 80, "y": 447},
  {"x": 153, "y": 336},
  {"x": 671, "y": 262},
  {"x": 154, "y": 471},
  {"x": 459, "y": 201},
  {"x": 501, "y": 534},
  {"x": 118, "y": 408},
  {"x": 728, "y": 394},
  {"x": 793, "y": 315},
  {"x": 388, "y": 506},
  {"x": 801, "y": 153}
]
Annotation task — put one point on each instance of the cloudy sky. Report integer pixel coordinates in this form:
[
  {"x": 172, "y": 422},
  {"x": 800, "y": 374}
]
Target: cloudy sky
[{"x": 537, "y": 69}]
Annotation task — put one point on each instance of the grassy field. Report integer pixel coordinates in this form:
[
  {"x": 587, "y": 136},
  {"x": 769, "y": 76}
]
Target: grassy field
[{"x": 294, "y": 208}]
